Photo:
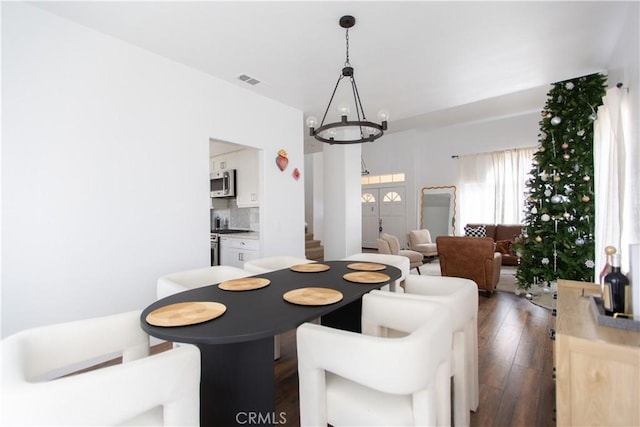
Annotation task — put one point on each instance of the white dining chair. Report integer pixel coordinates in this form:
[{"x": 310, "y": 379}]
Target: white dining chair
[
  {"x": 273, "y": 263},
  {"x": 401, "y": 262},
  {"x": 197, "y": 278},
  {"x": 461, "y": 295},
  {"x": 348, "y": 378},
  {"x": 163, "y": 389}
]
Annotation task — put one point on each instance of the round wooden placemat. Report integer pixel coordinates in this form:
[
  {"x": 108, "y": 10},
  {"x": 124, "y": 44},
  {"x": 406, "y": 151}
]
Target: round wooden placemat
[
  {"x": 313, "y": 296},
  {"x": 313, "y": 267},
  {"x": 185, "y": 313},
  {"x": 244, "y": 284},
  {"x": 366, "y": 266},
  {"x": 366, "y": 277}
]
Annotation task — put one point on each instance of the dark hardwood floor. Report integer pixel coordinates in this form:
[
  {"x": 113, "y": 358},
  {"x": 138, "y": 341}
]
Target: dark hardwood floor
[{"x": 515, "y": 366}]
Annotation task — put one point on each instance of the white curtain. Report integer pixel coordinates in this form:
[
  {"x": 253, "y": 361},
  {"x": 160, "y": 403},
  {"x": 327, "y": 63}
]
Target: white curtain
[
  {"x": 492, "y": 186},
  {"x": 610, "y": 177}
]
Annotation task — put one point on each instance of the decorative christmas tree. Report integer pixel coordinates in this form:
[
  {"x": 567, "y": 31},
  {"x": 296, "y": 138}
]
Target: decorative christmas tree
[{"x": 557, "y": 238}]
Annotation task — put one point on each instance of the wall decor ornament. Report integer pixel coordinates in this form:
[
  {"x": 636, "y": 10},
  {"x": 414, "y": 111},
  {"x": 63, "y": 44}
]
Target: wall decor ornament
[{"x": 282, "y": 161}]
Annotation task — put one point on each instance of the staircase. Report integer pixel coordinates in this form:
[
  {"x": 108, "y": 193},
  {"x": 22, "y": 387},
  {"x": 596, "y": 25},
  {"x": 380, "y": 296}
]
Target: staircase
[{"x": 313, "y": 248}]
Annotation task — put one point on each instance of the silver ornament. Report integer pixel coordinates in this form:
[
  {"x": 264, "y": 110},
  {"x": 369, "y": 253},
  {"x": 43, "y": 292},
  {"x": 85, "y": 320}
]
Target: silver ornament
[
  {"x": 545, "y": 217},
  {"x": 566, "y": 156},
  {"x": 586, "y": 178},
  {"x": 555, "y": 121},
  {"x": 592, "y": 117},
  {"x": 569, "y": 85},
  {"x": 556, "y": 199},
  {"x": 579, "y": 241},
  {"x": 544, "y": 261},
  {"x": 547, "y": 193}
]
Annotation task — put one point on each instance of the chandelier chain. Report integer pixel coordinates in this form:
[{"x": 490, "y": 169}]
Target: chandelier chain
[{"x": 347, "y": 63}]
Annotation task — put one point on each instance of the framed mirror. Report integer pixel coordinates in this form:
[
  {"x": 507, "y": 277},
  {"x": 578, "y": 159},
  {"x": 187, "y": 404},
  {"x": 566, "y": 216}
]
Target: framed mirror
[{"x": 438, "y": 210}]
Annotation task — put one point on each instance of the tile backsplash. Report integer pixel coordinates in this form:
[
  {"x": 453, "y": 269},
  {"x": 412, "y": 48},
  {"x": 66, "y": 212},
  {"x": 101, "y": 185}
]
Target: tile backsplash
[{"x": 244, "y": 218}]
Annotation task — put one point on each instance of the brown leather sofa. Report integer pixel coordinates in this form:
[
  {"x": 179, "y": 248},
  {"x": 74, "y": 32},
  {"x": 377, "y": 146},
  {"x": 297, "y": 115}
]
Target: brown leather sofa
[
  {"x": 504, "y": 236},
  {"x": 471, "y": 258}
]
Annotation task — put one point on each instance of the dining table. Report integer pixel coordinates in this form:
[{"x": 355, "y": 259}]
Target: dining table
[{"x": 237, "y": 384}]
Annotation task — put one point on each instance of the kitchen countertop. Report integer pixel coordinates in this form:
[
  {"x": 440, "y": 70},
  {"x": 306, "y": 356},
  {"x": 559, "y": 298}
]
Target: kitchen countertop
[{"x": 254, "y": 235}]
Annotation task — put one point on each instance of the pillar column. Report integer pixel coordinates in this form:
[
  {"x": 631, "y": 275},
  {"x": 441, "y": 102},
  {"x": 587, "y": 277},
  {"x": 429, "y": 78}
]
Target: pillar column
[{"x": 342, "y": 228}]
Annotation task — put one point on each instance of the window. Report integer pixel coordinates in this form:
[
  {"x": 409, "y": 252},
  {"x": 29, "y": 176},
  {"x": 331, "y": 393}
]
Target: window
[
  {"x": 391, "y": 197},
  {"x": 382, "y": 179},
  {"x": 368, "y": 198}
]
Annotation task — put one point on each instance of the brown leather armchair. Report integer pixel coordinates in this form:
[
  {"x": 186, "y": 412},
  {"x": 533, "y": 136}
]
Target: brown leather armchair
[{"x": 471, "y": 258}]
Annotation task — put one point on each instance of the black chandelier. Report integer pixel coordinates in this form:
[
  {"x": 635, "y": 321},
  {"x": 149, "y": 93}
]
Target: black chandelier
[{"x": 368, "y": 131}]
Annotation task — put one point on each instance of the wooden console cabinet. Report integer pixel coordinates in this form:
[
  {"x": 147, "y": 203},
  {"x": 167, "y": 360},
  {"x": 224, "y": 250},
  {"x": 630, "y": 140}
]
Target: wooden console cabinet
[{"x": 597, "y": 367}]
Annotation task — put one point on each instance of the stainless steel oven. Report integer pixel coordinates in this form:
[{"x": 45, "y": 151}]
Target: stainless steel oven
[{"x": 215, "y": 249}]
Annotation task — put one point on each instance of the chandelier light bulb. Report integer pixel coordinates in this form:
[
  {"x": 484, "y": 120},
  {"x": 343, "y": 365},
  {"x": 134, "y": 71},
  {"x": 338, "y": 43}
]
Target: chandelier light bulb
[
  {"x": 383, "y": 115},
  {"x": 312, "y": 122},
  {"x": 344, "y": 109}
]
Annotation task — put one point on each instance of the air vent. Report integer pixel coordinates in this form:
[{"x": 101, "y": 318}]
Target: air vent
[{"x": 248, "y": 79}]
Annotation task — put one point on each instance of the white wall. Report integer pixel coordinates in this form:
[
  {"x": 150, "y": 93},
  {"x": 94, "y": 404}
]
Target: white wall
[{"x": 105, "y": 169}]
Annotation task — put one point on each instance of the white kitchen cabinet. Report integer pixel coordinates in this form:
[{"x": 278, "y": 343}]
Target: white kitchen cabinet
[
  {"x": 247, "y": 179},
  {"x": 235, "y": 251},
  {"x": 224, "y": 162}
]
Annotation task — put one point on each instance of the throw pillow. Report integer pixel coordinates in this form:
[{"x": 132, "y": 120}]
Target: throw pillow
[
  {"x": 504, "y": 246},
  {"x": 480, "y": 231}
]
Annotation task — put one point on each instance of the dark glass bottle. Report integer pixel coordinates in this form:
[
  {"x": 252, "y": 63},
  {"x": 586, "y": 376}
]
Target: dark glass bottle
[{"x": 616, "y": 288}]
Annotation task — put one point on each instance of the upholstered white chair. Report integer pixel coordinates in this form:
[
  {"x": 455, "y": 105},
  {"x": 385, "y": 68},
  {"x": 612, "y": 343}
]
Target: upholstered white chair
[
  {"x": 163, "y": 389},
  {"x": 461, "y": 295},
  {"x": 389, "y": 244},
  {"x": 197, "y": 278},
  {"x": 348, "y": 378},
  {"x": 396, "y": 260},
  {"x": 420, "y": 241},
  {"x": 273, "y": 263}
]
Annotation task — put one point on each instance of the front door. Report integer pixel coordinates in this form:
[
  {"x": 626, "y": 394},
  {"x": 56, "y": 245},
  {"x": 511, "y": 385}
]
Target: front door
[
  {"x": 370, "y": 217},
  {"x": 383, "y": 210}
]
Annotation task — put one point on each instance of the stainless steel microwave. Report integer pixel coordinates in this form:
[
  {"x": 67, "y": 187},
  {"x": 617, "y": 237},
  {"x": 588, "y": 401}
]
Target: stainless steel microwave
[{"x": 223, "y": 183}]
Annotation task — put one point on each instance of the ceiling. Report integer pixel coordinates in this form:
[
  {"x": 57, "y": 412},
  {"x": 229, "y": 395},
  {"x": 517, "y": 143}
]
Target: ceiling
[{"x": 431, "y": 64}]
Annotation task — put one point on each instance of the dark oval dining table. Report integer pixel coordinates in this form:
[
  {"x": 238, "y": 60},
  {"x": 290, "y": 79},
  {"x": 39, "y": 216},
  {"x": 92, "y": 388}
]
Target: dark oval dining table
[{"x": 237, "y": 385}]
